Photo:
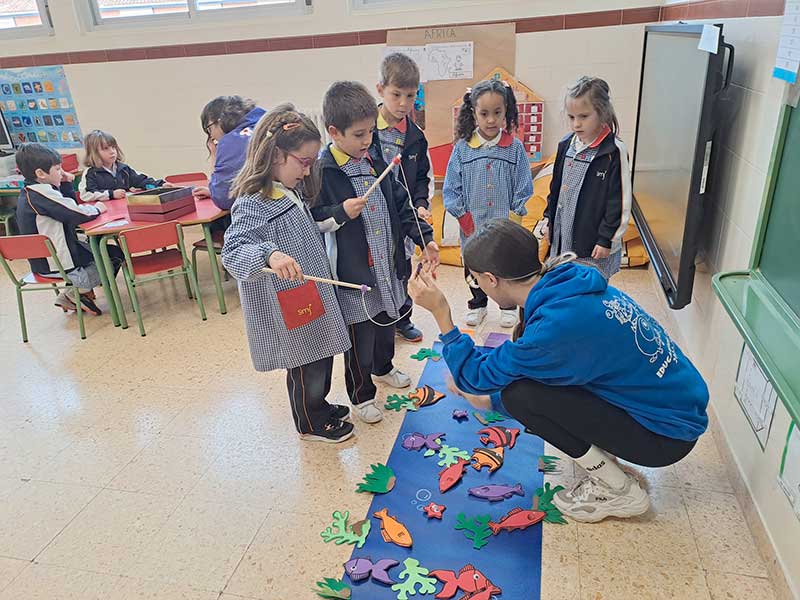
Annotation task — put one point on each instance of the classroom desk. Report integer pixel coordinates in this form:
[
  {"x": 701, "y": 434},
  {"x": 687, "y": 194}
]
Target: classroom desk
[{"x": 99, "y": 232}]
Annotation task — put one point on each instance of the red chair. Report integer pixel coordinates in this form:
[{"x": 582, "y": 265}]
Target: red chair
[
  {"x": 166, "y": 256},
  {"x": 199, "y": 179},
  {"x": 36, "y": 246}
]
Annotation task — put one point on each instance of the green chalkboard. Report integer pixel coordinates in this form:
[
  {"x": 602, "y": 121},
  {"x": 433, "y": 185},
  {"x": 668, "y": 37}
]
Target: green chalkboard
[
  {"x": 780, "y": 254},
  {"x": 764, "y": 300}
]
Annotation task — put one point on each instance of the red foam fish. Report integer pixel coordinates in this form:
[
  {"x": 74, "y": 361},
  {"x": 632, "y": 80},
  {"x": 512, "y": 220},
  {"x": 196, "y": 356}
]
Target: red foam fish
[
  {"x": 499, "y": 436},
  {"x": 516, "y": 519},
  {"x": 469, "y": 580},
  {"x": 452, "y": 475}
]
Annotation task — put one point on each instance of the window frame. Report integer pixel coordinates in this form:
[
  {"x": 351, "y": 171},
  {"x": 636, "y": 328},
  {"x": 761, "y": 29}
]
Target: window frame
[
  {"x": 193, "y": 15},
  {"x": 361, "y": 7},
  {"x": 28, "y": 31}
]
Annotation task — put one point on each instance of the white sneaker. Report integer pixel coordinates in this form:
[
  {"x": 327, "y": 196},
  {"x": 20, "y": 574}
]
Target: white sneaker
[
  {"x": 475, "y": 316},
  {"x": 591, "y": 500},
  {"x": 394, "y": 378},
  {"x": 508, "y": 318},
  {"x": 369, "y": 412}
]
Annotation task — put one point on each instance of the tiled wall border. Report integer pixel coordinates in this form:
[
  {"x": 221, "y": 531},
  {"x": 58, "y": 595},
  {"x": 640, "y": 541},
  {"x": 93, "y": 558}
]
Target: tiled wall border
[{"x": 702, "y": 9}]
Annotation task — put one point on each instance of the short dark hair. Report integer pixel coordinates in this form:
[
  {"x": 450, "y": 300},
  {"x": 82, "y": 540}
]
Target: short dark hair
[
  {"x": 347, "y": 102},
  {"x": 228, "y": 111},
  {"x": 399, "y": 70},
  {"x": 35, "y": 156}
]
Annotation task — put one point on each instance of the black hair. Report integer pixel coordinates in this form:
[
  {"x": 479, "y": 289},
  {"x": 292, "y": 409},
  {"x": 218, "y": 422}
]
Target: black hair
[
  {"x": 228, "y": 111},
  {"x": 34, "y": 156},
  {"x": 465, "y": 125},
  {"x": 399, "y": 70},
  {"x": 347, "y": 102}
]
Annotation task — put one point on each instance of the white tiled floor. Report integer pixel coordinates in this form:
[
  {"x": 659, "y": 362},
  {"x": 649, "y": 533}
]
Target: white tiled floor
[{"x": 164, "y": 467}]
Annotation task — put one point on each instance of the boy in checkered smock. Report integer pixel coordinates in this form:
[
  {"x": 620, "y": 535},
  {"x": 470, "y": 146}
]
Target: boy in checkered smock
[
  {"x": 397, "y": 133},
  {"x": 291, "y": 324},
  {"x": 488, "y": 175},
  {"x": 589, "y": 205},
  {"x": 364, "y": 235}
]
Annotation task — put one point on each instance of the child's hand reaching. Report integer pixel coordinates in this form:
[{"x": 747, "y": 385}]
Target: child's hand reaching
[
  {"x": 431, "y": 254},
  {"x": 201, "y": 193},
  {"x": 354, "y": 206},
  {"x": 101, "y": 207},
  {"x": 479, "y": 402},
  {"x": 119, "y": 194},
  {"x": 67, "y": 176},
  {"x": 600, "y": 252},
  {"x": 285, "y": 266}
]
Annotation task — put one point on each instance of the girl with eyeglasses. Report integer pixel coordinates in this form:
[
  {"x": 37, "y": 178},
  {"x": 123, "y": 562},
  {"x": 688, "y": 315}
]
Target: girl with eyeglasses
[
  {"x": 228, "y": 122},
  {"x": 588, "y": 370},
  {"x": 291, "y": 323}
]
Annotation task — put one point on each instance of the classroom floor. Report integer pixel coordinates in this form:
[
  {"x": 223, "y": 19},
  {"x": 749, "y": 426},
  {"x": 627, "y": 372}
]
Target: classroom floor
[{"x": 165, "y": 467}]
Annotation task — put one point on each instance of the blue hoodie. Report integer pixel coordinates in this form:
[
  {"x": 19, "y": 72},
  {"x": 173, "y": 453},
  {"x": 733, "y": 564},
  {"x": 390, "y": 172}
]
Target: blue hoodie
[
  {"x": 580, "y": 331},
  {"x": 231, "y": 152}
]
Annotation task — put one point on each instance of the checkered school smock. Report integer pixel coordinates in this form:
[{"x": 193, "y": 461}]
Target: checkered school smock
[
  {"x": 388, "y": 294},
  {"x": 284, "y": 223},
  {"x": 392, "y": 143},
  {"x": 488, "y": 179},
  {"x": 576, "y": 163}
]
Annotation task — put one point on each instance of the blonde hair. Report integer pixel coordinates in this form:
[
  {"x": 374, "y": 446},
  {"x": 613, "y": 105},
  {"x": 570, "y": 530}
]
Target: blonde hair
[
  {"x": 280, "y": 131},
  {"x": 600, "y": 97},
  {"x": 94, "y": 142}
]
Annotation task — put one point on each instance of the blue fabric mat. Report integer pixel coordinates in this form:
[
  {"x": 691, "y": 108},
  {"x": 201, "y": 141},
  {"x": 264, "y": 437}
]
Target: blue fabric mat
[{"x": 512, "y": 561}]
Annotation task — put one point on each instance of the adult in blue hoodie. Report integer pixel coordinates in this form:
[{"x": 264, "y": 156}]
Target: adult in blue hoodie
[
  {"x": 228, "y": 122},
  {"x": 589, "y": 370}
]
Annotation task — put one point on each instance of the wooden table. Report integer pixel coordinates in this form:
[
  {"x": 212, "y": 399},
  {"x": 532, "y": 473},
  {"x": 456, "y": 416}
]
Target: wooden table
[{"x": 101, "y": 229}]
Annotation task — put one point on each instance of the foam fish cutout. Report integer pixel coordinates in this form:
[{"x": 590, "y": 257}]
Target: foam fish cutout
[
  {"x": 393, "y": 530},
  {"x": 487, "y": 457},
  {"x": 416, "y": 441},
  {"x": 495, "y": 492},
  {"x": 425, "y": 396},
  {"x": 358, "y": 569},
  {"x": 469, "y": 580},
  {"x": 460, "y": 415},
  {"x": 452, "y": 475},
  {"x": 517, "y": 519},
  {"x": 499, "y": 436}
]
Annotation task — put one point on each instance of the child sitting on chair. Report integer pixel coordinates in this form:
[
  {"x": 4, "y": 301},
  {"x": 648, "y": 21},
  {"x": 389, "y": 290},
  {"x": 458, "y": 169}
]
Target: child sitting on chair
[
  {"x": 107, "y": 174},
  {"x": 47, "y": 206}
]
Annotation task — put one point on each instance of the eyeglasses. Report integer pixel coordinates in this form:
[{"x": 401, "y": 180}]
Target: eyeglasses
[
  {"x": 306, "y": 162},
  {"x": 208, "y": 126},
  {"x": 472, "y": 281}
]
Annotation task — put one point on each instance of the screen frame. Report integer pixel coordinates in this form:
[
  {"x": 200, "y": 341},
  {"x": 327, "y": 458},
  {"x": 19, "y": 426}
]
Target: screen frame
[
  {"x": 679, "y": 292},
  {"x": 10, "y": 146}
]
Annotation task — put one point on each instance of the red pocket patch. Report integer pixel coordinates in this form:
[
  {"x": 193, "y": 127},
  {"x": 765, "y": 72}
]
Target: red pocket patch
[{"x": 301, "y": 305}]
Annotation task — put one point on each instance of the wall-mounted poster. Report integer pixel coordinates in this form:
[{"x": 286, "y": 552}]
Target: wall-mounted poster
[{"x": 37, "y": 105}]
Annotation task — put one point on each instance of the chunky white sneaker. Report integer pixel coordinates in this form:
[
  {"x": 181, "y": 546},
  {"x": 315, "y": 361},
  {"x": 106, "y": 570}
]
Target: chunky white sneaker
[
  {"x": 369, "y": 412},
  {"x": 591, "y": 500},
  {"x": 508, "y": 318},
  {"x": 394, "y": 378},
  {"x": 475, "y": 316}
]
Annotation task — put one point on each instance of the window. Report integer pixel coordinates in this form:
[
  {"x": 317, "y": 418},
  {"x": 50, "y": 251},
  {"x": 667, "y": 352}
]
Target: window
[
  {"x": 23, "y": 17},
  {"x": 106, "y": 12}
]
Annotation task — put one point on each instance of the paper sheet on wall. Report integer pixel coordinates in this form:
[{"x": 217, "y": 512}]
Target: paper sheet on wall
[
  {"x": 438, "y": 62},
  {"x": 709, "y": 39},
  {"x": 789, "y": 477},
  {"x": 756, "y": 395},
  {"x": 788, "y": 59},
  {"x": 450, "y": 61}
]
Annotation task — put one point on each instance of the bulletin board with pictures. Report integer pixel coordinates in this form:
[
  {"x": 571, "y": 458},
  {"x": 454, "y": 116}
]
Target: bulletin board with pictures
[{"x": 37, "y": 106}]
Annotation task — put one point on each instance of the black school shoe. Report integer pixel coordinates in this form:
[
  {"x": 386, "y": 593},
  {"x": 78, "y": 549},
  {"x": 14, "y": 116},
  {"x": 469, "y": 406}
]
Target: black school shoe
[
  {"x": 88, "y": 305},
  {"x": 335, "y": 431},
  {"x": 340, "y": 412}
]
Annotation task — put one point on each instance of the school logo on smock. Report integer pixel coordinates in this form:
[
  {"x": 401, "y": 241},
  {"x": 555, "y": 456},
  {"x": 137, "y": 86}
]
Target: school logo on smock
[
  {"x": 650, "y": 338},
  {"x": 246, "y": 132}
]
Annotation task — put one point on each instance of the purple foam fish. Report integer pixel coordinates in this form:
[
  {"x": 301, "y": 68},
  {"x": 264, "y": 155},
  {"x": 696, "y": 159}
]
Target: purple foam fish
[
  {"x": 458, "y": 415},
  {"x": 419, "y": 440},
  {"x": 358, "y": 569},
  {"x": 496, "y": 492}
]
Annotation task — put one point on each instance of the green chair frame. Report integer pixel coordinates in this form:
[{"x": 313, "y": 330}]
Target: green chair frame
[
  {"x": 21, "y": 285},
  {"x": 132, "y": 281}
]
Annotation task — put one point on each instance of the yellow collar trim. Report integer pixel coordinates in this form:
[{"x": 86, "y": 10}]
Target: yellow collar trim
[
  {"x": 277, "y": 193},
  {"x": 340, "y": 157},
  {"x": 475, "y": 141}
]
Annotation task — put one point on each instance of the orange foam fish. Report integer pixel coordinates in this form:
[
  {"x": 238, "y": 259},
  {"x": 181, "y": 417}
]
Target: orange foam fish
[
  {"x": 425, "y": 396},
  {"x": 393, "y": 530},
  {"x": 487, "y": 457}
]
